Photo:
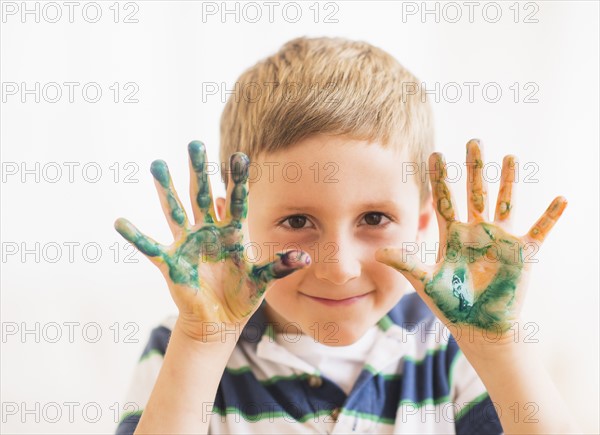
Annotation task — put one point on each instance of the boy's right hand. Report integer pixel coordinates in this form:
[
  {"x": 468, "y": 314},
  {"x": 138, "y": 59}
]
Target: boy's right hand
[{"x": 211, "y": 282}]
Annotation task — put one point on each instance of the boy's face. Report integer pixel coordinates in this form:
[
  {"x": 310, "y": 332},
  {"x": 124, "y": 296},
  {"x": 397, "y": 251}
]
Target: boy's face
[{"x": 339, "y": 200}]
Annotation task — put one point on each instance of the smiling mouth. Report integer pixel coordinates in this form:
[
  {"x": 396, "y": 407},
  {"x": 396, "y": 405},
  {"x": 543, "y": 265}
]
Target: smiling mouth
[{"x": 337, "y": 302}]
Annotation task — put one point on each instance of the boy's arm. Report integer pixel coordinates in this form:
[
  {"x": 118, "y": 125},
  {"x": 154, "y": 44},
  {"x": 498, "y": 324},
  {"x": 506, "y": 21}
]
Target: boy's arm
[
  {"x": 477, "y": 288},
  {"x": 215, "y": 288},
  {"x": 183, "y": 396},
  {"x": 523, "y": 393}
]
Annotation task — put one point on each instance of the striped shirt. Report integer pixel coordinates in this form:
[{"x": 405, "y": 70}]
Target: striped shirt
[{"x": 414, "y": 380}]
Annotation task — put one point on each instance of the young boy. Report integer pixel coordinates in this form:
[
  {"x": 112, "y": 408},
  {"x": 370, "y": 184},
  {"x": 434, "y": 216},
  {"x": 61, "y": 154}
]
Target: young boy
[{"x": 291, "y": 319}]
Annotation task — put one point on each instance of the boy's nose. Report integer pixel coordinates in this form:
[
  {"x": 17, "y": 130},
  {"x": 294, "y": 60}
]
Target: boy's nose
[{"x": 338, "y": 262}]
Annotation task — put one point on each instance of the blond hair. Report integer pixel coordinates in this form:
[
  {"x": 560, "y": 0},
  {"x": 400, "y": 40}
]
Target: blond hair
[{"x": 328, "y": 86}]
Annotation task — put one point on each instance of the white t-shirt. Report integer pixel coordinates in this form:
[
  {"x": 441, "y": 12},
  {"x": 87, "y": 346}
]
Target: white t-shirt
[{"x": 341, "y": 364}]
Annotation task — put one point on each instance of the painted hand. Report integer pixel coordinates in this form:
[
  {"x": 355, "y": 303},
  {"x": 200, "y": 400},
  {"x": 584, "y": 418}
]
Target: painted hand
[
  {"x": 480, "y": 275},
  {"x": 209, "y": 278}
]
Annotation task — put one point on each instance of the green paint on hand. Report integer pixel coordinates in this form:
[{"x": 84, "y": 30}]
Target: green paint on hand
[
  {"x": 141, "y": 242},
  {"x": 242, "y": 284},
  {"x": 452, "y": 286},
  {"x": 160, "y": 171},
  {"x": 505, "y": 207},
  {"x": 197, "y": 152},
  {"x": 488, "y": 231},
  {"x": 239, "y": 164}
]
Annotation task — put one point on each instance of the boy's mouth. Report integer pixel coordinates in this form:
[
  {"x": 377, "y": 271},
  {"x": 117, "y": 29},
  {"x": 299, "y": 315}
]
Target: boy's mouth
[{"x": 338, "y": 302}]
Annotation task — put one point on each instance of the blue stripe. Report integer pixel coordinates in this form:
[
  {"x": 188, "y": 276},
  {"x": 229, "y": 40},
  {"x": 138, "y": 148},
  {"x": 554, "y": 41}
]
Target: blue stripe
[
  {"x": 128, "y": 425},
  {"x": 377, "y": 396},
  {"x": 482, "y": 419},
  {"x": 410, "y": 311},
  {"x": 425, "y": 380},
  {"x": 292, "y": 396},
  {"x": 256, "y": 326},
  {"x": 452, "y": 352},
  {"x": 159, "y": 338}
]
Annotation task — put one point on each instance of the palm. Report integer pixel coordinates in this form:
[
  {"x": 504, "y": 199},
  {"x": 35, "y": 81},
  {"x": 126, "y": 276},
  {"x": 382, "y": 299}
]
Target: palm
[
  {"x": 480, "y": 264},
  {"x": 209, "y": 278}
]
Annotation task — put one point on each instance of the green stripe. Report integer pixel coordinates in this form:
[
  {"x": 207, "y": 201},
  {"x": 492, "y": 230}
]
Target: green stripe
[
  {"x": 371, "y": 369},
  {"x": 151, "y": 353},
  {"x": 430, "y": 352},
  {"x": 385, "y": 323},
  {"x": 269, "y": 332},
  {"x": 443, "y": 399},
  {"x": 274, "y": 379},
  {"x": 387, "y": 377},
  {"x": 269, "y": 415},
  {"x": 239, "y": 370},
  {"x": 367, "y": 416},
  {"x": 470, "y": 405}
]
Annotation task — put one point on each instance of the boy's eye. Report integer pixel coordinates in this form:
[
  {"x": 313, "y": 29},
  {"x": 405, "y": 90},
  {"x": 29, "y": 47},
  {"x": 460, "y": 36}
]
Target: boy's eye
[
  {"x": 298, "y": 222},
  {"x": 374, "y": 218},
  {"x": 295, "y": 222}
]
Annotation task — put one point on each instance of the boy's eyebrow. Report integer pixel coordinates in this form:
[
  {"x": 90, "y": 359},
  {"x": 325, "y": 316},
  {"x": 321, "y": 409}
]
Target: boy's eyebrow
[
  {"x": 371, "y": 205},
  {"x": 379, "y": 204}
]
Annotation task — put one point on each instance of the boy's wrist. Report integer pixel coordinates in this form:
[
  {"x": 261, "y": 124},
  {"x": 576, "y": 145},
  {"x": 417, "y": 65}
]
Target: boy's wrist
[
  {"x": 487, "y": 349},
  {"x": 209, "y": 334}
]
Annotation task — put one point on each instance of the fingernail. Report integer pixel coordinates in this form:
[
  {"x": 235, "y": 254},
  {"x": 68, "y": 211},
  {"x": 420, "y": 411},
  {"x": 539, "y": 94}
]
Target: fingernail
[
  {"x": 160, "y": 171},
  {"x": 293, "y": 257},
  {"x": 238, "y": 164},
  {"x": 196, "y": 146},
  {"x": 196, "y": 150}
]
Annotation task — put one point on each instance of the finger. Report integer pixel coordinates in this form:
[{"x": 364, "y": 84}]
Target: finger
[
  {"x": 476, "y": 185},
  {"x": 284, "y": 265},
  {"x": 200, "y": 189},
  {"x": 445, "y": 208},
  {"x": 237, "y": 187},
  {"x": 147, "y": 246},
  {"x": 504, "y": 203},
  {"x": 171, "y": 205},
  {"x": 411, "y": 267},
  {"x": 542, "y": 227}
]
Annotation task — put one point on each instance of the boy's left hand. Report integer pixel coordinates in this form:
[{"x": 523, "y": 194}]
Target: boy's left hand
[{"x": 480, "y": 277}]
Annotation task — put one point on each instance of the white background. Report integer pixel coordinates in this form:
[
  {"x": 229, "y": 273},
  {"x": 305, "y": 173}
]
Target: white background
[{"x": 168, "y": 54}]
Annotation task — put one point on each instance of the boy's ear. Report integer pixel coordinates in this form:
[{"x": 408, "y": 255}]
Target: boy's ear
[{"x": 220, "y": 208}]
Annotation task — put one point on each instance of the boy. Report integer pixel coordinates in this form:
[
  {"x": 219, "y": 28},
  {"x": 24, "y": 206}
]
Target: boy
[{"x": 335, "y": 169}]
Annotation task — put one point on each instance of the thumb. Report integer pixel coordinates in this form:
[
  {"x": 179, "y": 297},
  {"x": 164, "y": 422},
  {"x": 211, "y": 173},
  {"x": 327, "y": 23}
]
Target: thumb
[{"x": 406, "y": 263}]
